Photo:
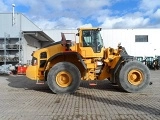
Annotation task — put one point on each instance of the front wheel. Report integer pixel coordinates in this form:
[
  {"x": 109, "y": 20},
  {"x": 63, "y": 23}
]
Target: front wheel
[
  {"x": 134, "y": 76},
  {"x": 64, "y": 77}
]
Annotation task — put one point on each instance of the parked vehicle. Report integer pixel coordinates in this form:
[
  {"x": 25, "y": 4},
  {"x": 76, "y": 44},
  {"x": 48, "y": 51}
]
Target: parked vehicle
[{"x": 65, "y": 63}]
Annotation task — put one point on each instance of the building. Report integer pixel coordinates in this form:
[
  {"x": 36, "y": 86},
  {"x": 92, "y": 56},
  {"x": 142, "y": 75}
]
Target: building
[
  {"x": 19, "y": 37},
  {"x": 138, "y": 42}
]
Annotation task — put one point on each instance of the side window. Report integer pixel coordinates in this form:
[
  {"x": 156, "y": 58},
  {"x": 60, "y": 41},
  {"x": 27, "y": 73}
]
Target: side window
[
  {"x": 141, "y": 38},
  {"x": 86, "y": 38},
  {"x": 42, "y": 63},
  {"x": 43, "y": 55}
]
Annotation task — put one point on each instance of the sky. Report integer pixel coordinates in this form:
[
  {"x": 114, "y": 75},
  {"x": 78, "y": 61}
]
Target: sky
[{"x": 71, "y": 14}]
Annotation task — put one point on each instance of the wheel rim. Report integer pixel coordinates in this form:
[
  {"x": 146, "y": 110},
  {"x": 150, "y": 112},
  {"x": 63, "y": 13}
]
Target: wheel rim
[
  {"x": 63, "y": 79},
  {"x": 135, "y": 77}
]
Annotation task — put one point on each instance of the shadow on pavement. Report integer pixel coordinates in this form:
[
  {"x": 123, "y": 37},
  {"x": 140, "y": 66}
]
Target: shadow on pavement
[
  {"x": 101, "y": 85},
  {"x": 21, "y": 81}
]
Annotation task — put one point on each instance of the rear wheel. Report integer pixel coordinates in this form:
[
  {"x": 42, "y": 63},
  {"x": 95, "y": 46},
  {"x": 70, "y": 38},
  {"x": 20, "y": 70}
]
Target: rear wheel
[
  {"x": 134, "y": 76},
  {"x": 64, "y": 77}
]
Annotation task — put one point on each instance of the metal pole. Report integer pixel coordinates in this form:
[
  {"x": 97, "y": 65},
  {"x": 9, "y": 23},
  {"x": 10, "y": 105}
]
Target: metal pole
[
  {"x": 5, "y": 35},
  {"x": 13, "y": 17},
  {"x": 20, "y": 59}
]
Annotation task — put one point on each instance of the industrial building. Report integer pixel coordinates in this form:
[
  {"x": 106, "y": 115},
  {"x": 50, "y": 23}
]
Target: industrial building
[
  {"x": 19, "y": 37},
  {"x": 138, "y": 42}
]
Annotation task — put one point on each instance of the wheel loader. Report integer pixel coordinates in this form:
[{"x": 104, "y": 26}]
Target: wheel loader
[{"x": 65, "y": 63}]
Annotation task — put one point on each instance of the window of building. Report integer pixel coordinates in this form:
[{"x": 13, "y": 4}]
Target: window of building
[{"x": 141, "y": 38}]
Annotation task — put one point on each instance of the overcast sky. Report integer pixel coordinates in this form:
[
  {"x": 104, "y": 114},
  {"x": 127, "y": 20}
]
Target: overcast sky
[{"x": 53, "y": 14}]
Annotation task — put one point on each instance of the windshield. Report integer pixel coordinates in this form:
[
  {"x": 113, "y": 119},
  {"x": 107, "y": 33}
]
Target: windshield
[{"x": 92, "y": 38}]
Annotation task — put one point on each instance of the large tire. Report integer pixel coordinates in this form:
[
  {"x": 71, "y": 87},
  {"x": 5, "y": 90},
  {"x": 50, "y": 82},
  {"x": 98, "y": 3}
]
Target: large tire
[
  {"x": 134, "y": 76},
  {"x": 64, "y": 77}
]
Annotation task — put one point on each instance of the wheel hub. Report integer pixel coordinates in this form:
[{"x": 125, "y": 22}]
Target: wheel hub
[
  {"x": 63, "y": 79},
  {"x": 135, "y": 77}
]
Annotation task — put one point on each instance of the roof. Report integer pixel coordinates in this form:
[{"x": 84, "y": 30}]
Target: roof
[{"x": 39, "y": 35}]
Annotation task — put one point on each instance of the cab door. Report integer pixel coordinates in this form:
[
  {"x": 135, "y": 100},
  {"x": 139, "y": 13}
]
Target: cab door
[{"x": 91, "y": 44}]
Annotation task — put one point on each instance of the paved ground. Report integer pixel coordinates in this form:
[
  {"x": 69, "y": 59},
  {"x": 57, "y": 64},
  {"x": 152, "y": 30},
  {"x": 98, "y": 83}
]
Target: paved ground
[{"x": 22, "y": 99}]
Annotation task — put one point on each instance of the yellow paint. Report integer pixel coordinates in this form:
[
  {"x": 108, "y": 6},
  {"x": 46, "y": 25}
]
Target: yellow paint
[
  {"x": 104, "y": 73},
  {"x": 90, "y": 75},
  {"x": 31, "y": 72},
  {"x": 63, "y": 79},
  {"x": 135, "y": 77}
]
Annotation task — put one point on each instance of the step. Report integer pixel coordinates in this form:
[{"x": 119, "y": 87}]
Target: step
[
  {"x": 92, "y": 83},
  {"x": 40, "y": 82}
]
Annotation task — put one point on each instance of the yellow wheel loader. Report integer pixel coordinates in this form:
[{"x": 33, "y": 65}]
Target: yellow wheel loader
[{"x": 65, "y": 63}]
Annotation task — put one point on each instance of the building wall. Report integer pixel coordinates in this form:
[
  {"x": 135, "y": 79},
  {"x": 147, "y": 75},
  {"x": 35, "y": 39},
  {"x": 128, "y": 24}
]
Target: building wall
[
  {"x": 126, "y": 37},
  {"x": 13, "y": 31},
  {"x": 29, "y": 45},
  {"x": 7, "y": 26},
  {"x": 55, "y": 34},
  {"x": 21, "y": 23},
  {"x": 29, "y": 51}
]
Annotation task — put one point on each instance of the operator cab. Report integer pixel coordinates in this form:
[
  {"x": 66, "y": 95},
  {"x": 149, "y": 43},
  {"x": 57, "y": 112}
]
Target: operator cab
[
  {"x": 92, "y": 38},
  {"x": 91, "y": 42}
]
